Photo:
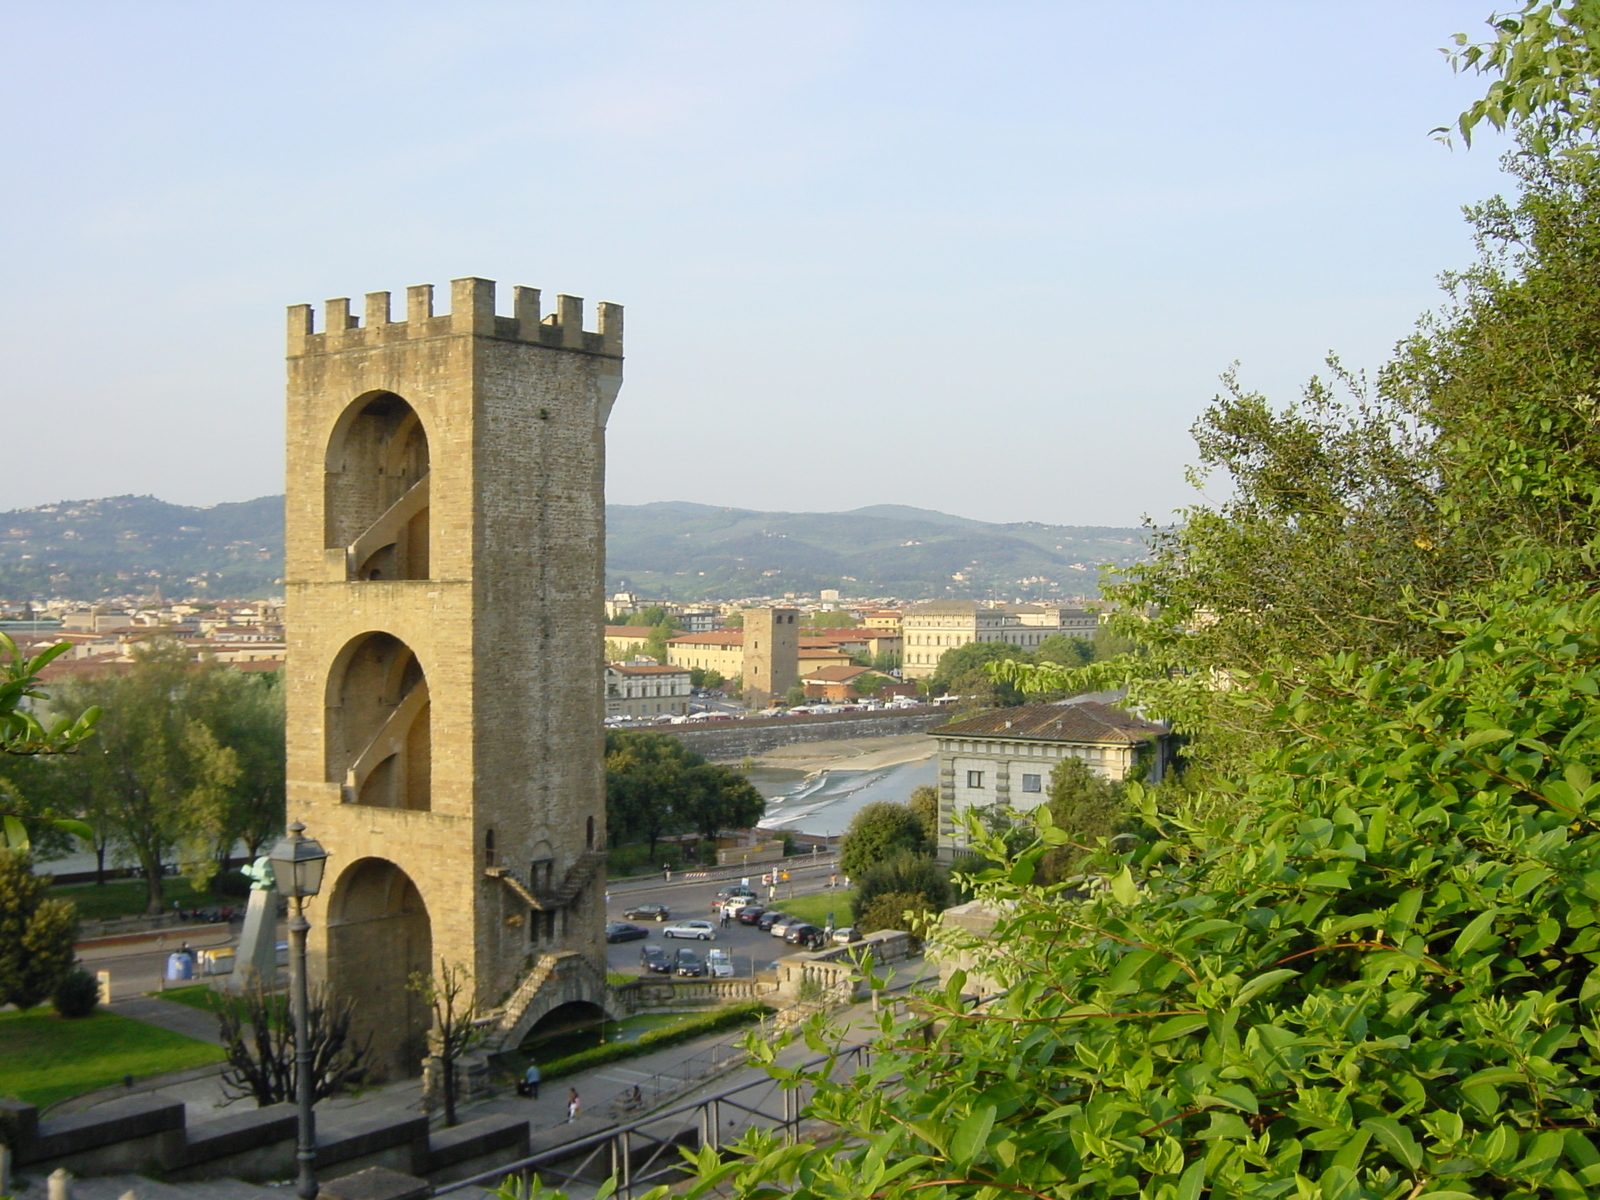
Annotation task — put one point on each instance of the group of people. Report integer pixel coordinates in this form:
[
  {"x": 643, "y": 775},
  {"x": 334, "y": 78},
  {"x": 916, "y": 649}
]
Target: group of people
[{"x": 528, "y": 1088}]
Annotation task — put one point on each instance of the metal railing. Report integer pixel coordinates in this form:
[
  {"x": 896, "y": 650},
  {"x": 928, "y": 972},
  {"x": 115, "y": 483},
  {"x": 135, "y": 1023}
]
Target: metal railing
[{"x": 644, "y": 1153}]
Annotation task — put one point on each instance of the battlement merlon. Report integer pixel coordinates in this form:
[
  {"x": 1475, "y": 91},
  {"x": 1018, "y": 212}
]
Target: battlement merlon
[{"x": 472, "y": 311}]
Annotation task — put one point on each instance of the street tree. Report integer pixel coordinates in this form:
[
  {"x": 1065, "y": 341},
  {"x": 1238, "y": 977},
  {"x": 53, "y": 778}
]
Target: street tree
[
  {"x": 448, "y": 993},
  {"x": 159, "y": 778},
  {"x": 924, "y": 802},
  {"x": 257, "y": 1031},
  {"x": 37, "y": 934},
  {"x": 656, "y": 786},
  {"x": 879, "y": 831},
  {"x": 904, "y": 873}
]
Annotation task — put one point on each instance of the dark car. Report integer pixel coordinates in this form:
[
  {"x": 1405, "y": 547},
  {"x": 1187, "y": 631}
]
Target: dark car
[
  {"x": 809, "y": 936},
  {"x": 750, "y": 914},
  {"x": 621, "y": 931},
  {"x": 654, "y": 958},
  {"x": 768, "y": 918},
  {"x": 689, "y": 963},
  {"x": 648, "y": 912}
]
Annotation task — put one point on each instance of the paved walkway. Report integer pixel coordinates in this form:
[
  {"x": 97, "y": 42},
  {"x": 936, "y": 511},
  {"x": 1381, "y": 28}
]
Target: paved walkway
[{"x": 166, "y": 1014}]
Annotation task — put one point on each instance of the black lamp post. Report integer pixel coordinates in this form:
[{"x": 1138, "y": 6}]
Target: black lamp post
[{"x": 297, "y": 864}]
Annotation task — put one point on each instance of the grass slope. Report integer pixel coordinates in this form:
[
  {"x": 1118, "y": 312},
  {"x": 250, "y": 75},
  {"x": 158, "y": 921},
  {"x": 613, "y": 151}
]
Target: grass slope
[{"x": 44, "y": 1058}]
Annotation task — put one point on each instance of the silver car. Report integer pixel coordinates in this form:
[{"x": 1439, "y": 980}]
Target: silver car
[{"x": 703, "y": 931}]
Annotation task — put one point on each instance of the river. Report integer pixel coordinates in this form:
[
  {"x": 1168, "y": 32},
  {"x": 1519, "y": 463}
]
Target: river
[{"x": 823, "y": 804}]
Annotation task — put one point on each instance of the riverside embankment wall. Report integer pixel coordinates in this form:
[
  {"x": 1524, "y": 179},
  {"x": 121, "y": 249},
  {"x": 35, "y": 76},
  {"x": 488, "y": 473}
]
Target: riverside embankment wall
[{"x": 734, "y": 740}]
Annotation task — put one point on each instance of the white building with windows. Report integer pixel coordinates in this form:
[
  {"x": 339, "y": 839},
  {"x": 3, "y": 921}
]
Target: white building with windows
[
  {"x": 645, "y": 689},
  {"x": 1003, "y": 758}
]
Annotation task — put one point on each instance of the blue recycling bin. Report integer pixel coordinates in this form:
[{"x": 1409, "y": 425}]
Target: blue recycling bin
[{"x": 179, "y": 966}]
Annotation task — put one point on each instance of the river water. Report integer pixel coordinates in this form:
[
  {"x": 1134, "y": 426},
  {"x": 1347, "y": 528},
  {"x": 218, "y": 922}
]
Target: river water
[{"x": 824, "y": 803}]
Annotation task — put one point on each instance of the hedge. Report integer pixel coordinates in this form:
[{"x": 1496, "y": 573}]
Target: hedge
[{"x": 656, "y": 1039}]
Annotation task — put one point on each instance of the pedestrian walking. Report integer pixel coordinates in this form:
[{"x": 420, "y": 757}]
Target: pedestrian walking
[
  {"x": 833, "y": 881},
  {"x": 727, "y": 916},
  {"x": 529, "y": 1086},
  {"x": 574, "y": 1105}
]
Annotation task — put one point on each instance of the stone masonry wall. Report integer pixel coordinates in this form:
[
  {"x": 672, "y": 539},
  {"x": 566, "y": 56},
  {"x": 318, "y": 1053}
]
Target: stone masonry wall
[{"x": 734, "y": 741}]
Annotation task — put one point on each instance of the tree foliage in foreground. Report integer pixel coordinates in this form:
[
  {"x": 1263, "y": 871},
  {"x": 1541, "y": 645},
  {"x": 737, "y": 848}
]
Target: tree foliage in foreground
[{"x": 1383, "y": 987}]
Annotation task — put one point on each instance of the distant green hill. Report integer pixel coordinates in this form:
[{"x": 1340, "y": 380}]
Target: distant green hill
[
  {"x": 681, "y": 551},
  {"x": 132, "y": 545}
]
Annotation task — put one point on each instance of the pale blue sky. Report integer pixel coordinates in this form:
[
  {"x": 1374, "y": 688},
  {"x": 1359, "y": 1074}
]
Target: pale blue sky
[{"x": 986, "y": 257}]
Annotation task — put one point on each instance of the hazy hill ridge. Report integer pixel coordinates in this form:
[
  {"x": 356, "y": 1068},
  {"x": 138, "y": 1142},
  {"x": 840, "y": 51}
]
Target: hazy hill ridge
[{"x": 124, "y": 545}]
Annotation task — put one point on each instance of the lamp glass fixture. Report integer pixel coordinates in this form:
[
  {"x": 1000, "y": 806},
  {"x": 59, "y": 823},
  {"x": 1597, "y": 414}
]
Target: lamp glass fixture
[{"x": 297, "y": 863}]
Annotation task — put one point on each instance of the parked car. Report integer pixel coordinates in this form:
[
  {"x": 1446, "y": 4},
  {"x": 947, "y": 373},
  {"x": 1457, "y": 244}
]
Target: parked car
[
  {"x": 720, "y": 963},
  {"x": 736, "y": 892},
  {"x": 769, "y": 918},
  {"x": 843, "y": 937},
  {"x": 734, "y": 905},
  {"x": 750, "y": 913},
  {"x": 621, "y": 931},
  {"x": 801, "y": 934},
  {"x": 647, "y": 912},
  {"x": 705, "y": 931},
  {"x": 688, "y": 963},
  {"x": 780, "y": 927},
  {"x": 654, "y": 958}
]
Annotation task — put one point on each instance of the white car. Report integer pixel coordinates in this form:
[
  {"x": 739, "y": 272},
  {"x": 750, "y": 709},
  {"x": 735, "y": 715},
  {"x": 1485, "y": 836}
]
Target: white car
[
  {"x": 720, "y": 962},
  {"x": 704, "y": 931}
]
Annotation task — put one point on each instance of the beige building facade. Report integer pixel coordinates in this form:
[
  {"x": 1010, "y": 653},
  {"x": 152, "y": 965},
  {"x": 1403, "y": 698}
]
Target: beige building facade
[
  {"x": 646, "y": 690},
  {"x": 931, "y": 629},
  {"x": 445, "y": 543}
]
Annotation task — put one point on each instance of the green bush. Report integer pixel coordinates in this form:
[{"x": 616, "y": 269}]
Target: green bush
[{"x": 77, "y": 995}]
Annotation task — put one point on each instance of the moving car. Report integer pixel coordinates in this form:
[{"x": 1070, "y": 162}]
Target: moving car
[
  {"x": 688, "y": 963},
  {"x": 735, "y": 893},
  {"x": 734, "y": 905},
  {"x": 705, "y": 931},
  {"x": 647, "y": 912},
  {"x": 654, "y": 958},
  {"x": 720, "y": 962},
  {"x": 843, "y": 937},
  {"x": 621, "y": 931},
  {"x": 750, "y": 914},
  {"x": 770, "y": 918}
]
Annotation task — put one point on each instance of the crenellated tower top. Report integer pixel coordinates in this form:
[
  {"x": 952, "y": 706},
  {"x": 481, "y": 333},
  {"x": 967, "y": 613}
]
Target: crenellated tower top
[{"x": 472, "y": 303}]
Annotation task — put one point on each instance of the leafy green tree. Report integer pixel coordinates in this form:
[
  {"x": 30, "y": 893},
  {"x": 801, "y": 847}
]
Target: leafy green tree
[
  {"x": 656, "y": 786},
  {"x": 1065, "y": 650},
  {"x": 877, "y": 832},
  {"x": 903, "y": 873},
  {"x": 249, "y": 720},
  {"x": 906, "y": 911},
  {"x": 37, "y": 934},
  {"x": 886, "y": 661},
  {"x": 924, "y": 802},
  {"x": 838, "y": 619},
  {"x": 961, "y": 672},
  {"x": 160, "y": 777},
  {"x": 795, "y": 695},
  {"x": 870, "y": 684},
  {"x": 1088, "y": 808}
]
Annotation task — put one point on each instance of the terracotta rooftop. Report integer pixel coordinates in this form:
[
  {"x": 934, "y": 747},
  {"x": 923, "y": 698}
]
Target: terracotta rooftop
[
  {"x": 1083, "y": 722},
  {"x": 717, "y": 637},
  {"x": 836, "y": 673},
  {"x": 629, "y": 631}
]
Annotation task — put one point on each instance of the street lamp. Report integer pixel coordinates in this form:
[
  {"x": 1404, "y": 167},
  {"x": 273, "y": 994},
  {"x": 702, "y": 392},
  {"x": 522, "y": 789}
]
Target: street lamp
[{"x": 297, "y": 864}]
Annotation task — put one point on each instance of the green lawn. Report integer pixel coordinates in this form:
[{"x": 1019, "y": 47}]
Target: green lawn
[
  {"x": 44, "y": 1058},
  {"x": 196, "y": 995},
  {"x": 815, "y": 909},
  {"x": 130, "y": 897}
]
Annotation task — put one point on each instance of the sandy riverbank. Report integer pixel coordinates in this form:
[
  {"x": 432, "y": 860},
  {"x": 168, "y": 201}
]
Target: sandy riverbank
[{"x": 850, "y": 754}]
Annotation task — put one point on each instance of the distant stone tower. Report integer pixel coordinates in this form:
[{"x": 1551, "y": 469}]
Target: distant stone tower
[
  {"x": 771, "y": 654},
  {"x": 445, "y": 553}
]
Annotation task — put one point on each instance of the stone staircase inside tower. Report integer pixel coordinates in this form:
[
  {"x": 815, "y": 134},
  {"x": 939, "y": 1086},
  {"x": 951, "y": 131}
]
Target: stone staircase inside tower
[{"x": 578, "y": 877}]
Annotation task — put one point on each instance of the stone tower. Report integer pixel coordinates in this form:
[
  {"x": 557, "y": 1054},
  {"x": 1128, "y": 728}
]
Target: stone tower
[
  {"x": 771, "y": 654},
  {"x": 445, "y": 554}
]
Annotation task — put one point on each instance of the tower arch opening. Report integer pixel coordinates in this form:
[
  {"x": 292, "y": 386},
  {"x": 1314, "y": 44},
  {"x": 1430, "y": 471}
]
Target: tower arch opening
[
  {"x": 379, "y": 743},
  {"x": 375, "y": 500},
  {"x": 379, "y": 935}
]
